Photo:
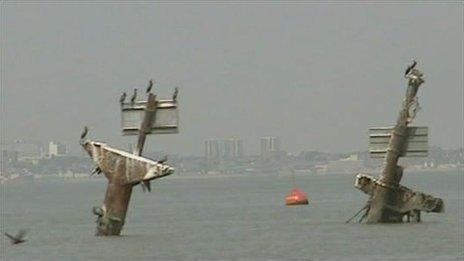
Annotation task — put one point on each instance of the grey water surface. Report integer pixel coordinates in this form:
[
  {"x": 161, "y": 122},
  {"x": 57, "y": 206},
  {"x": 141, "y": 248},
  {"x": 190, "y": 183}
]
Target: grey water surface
[{"x": 228, "y": 218}]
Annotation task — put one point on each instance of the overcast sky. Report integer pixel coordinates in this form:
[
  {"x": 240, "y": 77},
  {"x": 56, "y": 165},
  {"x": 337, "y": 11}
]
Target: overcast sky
[{"x": 315, "y": 75}]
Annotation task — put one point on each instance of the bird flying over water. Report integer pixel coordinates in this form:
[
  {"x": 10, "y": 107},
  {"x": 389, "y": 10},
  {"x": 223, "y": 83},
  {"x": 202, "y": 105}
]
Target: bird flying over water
[
  {"x": 150, "y": 85},
  {"x": 19, "y": 238},
  {"x": 410, "y": 67},
  {"x": 134, "y": 96},
  {"x": 123, "y": 97},
  {"x": 84, "y": 133}
]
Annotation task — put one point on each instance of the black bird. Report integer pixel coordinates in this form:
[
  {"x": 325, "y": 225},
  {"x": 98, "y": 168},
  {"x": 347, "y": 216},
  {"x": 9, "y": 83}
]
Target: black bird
[
  {"x": 134, "y": 96},
  {"x": 410, "y": 67},
  {"x": 123, "y": 97},
  {"x": 96, "y": 170},
  {"x": 150, "y": 84},
  {"x": 84, "y": 133},
  {"x": 174, "y": 95},
  {"x": 19, "y": 238},
  {"x": 146, "y": 185},
  {"x": 163, "y": 159}
]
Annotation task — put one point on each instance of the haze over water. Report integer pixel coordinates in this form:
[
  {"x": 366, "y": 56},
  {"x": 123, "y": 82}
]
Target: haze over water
[
  {"x": 315, "y": 75},
  {"x": 230, "y": 218}
]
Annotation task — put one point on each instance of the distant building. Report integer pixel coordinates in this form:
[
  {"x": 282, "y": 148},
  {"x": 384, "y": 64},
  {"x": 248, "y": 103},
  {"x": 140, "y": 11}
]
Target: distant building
[
  {"x": 269, "y": 145},
  {"x": 56, "y": 149},
  {"x": 212, "y": 149},
  {"x": 231, "y": 148}
]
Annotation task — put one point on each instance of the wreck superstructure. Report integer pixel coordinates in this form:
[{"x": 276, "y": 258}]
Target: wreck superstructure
[
  {"x": 124, "y": 170},
  {"x": 389, "y": 201}
]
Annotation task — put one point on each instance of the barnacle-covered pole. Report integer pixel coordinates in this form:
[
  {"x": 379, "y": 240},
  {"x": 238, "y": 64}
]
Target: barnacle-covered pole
[{"x": 389, "y": 201}]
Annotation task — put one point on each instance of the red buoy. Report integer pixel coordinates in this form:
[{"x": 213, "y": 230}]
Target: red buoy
[{"x": 296, "y": 197}]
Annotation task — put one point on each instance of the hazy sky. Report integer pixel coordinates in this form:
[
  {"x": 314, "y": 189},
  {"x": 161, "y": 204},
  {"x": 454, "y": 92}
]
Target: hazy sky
[{"x": 315, "y": 75}]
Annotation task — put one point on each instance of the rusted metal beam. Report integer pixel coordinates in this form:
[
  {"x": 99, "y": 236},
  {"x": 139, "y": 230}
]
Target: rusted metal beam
[
  {"x": 148, "y": 119},
  {"x": 123, "y": 170},
  {"x": 392, "y": 173}
]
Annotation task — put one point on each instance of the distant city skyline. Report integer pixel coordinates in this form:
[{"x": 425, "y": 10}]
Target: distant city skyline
[
  {"x": 227, "y": 148},
  {"x": 316, "y": 75},
  {"x": 223, "y": 147}
]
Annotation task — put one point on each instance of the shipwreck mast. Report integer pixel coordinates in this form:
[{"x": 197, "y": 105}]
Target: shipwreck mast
[
  {"x": 389, "y": 201},
  {"x": 124, "y": 170}
]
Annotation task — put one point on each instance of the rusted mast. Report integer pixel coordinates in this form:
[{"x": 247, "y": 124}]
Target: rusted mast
[
  {"x": 123, "y": 170},
  {"x": 391, "y": 175},
  {"x": 112, "y": 215},
  {"x": 145, "y": 127},
  {"x": 150, "y": 110}
]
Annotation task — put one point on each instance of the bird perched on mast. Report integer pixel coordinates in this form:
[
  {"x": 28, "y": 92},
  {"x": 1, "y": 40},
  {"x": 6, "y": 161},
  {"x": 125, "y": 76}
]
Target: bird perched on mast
[
  {"x": 174, "y": 95},
  {"x": 410, "y": 67},
  {"x": 84, "y": 132},
  {"x": 134, "y": 96},
  {"x": 146, "y": 186},
  {"x": 150, "y": 85},
  {"x": 123, "y": 97},
  {"x": 96, "y": 170}
]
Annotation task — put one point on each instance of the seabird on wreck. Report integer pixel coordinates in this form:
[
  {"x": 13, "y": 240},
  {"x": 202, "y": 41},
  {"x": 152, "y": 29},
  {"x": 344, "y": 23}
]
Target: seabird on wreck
[
  {"x": 410, "y": 67},
  {"x": 84, "y": 133},
  {"x": 123, "y": 97},
  {"x": 134, "y": 96},
  {"x": 174, "y": 95},
  {"x": 150, "y": 85}
]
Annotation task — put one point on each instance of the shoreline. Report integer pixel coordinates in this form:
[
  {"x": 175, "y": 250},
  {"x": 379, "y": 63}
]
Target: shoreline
[{"x": 80, "y": 177}]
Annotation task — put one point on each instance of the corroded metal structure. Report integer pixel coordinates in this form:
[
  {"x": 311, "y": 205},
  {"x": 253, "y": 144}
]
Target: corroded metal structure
[
  {"x": 389, "y": 201},
  {"x": 125, "y": 170}
]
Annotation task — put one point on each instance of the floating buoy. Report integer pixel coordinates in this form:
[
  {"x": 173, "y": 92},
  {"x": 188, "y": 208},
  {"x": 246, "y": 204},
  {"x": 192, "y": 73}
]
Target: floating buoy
[{"x": 296, "y": 197}]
